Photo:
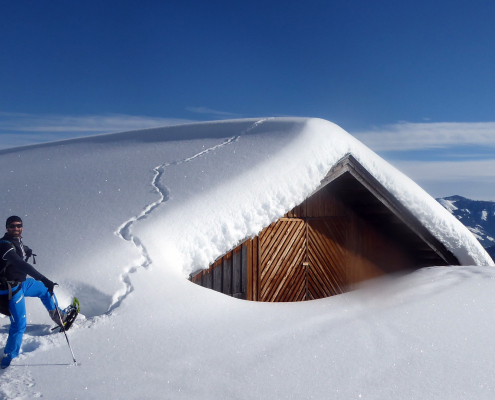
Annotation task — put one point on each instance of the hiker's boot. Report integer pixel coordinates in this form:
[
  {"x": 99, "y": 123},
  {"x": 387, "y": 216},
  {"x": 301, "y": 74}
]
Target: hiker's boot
[
  {"x": 56, "y": 318},
  {"x": 7, "y": 358}
]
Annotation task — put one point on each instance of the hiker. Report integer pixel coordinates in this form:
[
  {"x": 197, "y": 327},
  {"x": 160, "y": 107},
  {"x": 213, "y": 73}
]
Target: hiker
[{"x": 14, "y": 286}]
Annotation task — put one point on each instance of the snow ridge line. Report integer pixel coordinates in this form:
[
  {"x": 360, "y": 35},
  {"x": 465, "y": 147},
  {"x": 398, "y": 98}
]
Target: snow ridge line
[{"x": 125, "y": 231}]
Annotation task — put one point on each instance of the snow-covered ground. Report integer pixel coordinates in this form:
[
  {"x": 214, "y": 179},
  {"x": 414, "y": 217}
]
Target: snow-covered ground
[{"x": 120, "y": 220}]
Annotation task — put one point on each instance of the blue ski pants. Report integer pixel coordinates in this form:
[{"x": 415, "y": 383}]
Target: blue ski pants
[{"x": 29, "y": 288}]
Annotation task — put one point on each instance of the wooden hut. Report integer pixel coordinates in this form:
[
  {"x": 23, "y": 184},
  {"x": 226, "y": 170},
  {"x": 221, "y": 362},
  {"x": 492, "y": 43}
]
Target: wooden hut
[{"x": 349, "y": 230}]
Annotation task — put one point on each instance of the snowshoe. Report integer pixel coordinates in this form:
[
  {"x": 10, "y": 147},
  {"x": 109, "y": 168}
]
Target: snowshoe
[{"x": 71, "y": 312}]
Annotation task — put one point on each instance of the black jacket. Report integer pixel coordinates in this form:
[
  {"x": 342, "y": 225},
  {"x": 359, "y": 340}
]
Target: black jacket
[{"x": 13, "y": 255}]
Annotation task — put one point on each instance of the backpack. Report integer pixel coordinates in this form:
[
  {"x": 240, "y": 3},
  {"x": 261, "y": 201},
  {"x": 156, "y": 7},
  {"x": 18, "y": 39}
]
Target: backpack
[{"x": 5, "y": 285}]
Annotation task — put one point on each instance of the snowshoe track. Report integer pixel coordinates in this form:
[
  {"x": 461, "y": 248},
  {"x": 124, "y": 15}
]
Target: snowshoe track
[{"x": 125, "y": 230}]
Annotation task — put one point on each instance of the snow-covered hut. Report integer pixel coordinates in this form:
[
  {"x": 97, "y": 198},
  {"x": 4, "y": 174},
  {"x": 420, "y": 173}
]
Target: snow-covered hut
[{"x": 350, "y": 229}]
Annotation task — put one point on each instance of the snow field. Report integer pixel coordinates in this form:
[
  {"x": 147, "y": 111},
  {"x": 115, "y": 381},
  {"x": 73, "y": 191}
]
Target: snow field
[{"x": 428, "y": 335}]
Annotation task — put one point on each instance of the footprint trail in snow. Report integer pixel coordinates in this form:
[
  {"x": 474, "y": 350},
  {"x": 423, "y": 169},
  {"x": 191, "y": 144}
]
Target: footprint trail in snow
[
  {"x": 125, "y": 230},
  {"x": 17, "y": 383}
]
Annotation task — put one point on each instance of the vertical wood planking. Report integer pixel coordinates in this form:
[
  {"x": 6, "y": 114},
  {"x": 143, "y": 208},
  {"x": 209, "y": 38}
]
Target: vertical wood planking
[
  {"x": 198, "y": 278},
  {"x": 255, "y": 268},
  {"x": 372, "y": 253},
  {"x": 329, "y": 205},
  {"x": 322, "y": 200},
  {"x": 236, "y": 272},
  {"x": 309, "y": 207},
  {"x": 249, "y": 270},
  {"x": 244, "y": 270},
  {"x": 313, "y": 206},
  {"x": 207, "y": 278},
  {"x": 294, "y": 212},
  {"x": 227, "y": 274},
  {"x": 217, "y": 276},
  {"x": 304, "y": 207}
]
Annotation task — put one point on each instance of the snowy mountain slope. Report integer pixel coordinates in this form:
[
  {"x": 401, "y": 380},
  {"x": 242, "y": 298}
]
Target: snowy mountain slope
[
  {"x": 477, "y": 216},
  {"x": 120, "y": 220}
]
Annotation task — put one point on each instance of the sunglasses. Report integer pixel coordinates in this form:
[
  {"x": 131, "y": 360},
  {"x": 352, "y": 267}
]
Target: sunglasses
[{"x": 13, "y": 226}]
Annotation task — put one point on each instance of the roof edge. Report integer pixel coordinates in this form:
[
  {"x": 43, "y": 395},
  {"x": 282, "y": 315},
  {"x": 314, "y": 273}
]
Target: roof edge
[{"x": 351, "y": 165}]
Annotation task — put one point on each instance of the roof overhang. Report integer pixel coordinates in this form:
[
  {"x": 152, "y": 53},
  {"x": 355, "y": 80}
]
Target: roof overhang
[{"x": 354, "y": 185}]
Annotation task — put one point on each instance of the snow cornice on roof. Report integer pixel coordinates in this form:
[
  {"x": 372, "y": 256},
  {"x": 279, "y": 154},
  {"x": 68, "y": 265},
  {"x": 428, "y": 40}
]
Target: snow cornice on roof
[{"x": 271, "y": 165}]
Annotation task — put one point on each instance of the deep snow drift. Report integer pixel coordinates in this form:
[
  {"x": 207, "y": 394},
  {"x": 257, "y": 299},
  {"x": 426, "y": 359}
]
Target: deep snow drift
[{"x": 120, "y": 220}]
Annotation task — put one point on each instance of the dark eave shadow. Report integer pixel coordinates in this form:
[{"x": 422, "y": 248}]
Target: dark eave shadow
[{"x": 355, "y": 186}]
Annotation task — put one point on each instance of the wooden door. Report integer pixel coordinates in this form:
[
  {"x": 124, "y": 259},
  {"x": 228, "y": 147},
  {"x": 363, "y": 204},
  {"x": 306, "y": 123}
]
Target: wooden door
[
  {"x": 303, "y": 259},
  {"x": 282, "y": 253},
  {"x": 326, "y": 257}
]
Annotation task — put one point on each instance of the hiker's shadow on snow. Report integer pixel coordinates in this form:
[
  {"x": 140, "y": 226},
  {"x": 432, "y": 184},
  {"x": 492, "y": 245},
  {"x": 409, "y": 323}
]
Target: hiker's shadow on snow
[
  {"x": 31, "y": 329},
  {"x": 43, "y": 365},
  {"x": 93, "y": 302},
  {"x": 38, "y": 329},
  {"x": 16, "y": 366}
]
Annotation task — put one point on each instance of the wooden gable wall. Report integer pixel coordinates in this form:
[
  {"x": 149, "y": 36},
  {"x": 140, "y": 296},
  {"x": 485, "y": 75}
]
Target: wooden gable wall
[
  {"x": 350, "y": 230},
  {"x": 318, "y": 249}
]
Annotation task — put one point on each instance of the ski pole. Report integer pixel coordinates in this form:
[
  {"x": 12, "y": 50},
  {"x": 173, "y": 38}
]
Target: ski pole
[{"x": 63, "y": 328}]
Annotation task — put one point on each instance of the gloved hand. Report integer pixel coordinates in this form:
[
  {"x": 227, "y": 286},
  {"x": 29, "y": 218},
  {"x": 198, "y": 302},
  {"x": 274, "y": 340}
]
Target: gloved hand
[
  {"x": 29, "y": 253},
  {"x": 49, "y": 284}
]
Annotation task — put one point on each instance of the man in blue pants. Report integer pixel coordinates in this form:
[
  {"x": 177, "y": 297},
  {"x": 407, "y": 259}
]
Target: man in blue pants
[{"x": 15, "y": 286}]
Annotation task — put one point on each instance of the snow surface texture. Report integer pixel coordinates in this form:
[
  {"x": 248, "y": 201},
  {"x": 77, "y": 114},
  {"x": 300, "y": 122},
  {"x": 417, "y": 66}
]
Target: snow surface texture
[{"x": 120, "y": 220}]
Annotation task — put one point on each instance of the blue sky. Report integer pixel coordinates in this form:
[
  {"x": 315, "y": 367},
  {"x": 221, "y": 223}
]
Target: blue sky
[{"x": 413, "y": 80}]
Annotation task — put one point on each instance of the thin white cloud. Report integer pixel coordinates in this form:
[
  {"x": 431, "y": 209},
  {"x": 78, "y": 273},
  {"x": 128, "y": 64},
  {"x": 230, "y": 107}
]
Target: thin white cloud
[
  {"x": 483, "y": 170},
  {"x": 19, "y": 129},
  {"x": 462, "y": 174},
  {"x": 206, "y": 110},
  {"x": 10, "y": 114},
  {"x": 417, "y": 136},
  {"x": 474, "y": 179},
  {"x": 86, "y": 123}
]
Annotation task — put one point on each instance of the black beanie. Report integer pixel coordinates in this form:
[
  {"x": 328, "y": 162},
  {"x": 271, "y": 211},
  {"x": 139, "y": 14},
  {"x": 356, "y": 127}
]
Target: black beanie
[{"x": 13, "y": 218}]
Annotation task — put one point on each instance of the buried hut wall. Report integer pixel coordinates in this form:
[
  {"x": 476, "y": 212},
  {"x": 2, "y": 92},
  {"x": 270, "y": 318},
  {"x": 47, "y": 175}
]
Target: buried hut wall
[
  {"x": 228, "y": 274},
  {"x": 348, "y": 231}
]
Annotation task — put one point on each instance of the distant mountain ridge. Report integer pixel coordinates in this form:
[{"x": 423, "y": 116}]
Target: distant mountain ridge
[
  {"x": 491, "y": 250},
  {"x": 478, "y": 216}
]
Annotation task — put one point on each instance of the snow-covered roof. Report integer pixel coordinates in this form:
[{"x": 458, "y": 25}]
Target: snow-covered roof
[
  {"x": 271, "y": 166},
  {"x": 190, "y": 193}
]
